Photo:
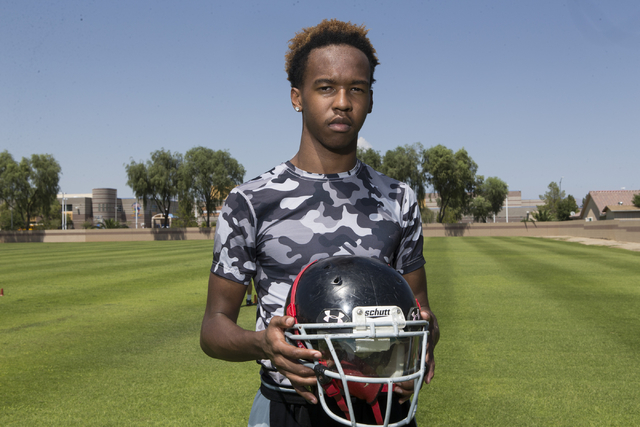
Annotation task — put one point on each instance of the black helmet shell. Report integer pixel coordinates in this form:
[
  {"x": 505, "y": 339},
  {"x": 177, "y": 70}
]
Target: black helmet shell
[{"x": 338, "y": 284}]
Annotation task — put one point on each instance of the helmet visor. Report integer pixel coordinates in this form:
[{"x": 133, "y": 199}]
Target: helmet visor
[{"x": 374, "y": 357}]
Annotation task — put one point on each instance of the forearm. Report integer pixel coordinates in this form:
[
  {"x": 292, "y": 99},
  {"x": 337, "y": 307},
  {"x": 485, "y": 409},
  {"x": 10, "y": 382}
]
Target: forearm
[
  {"x": 418, "y": 282},
  {"x": 221, "y": 338}
]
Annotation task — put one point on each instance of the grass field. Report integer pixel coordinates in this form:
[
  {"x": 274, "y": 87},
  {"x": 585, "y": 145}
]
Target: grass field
[{"x": 534, "y": 332}]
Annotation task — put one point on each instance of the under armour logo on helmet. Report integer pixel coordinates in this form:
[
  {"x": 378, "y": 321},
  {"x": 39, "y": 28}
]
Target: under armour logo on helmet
[{"x": 333, "y": 316}]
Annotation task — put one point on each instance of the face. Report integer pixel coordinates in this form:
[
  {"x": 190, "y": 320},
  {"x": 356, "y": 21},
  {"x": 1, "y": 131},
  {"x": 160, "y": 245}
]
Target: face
[{"x": 335, "y": 97}]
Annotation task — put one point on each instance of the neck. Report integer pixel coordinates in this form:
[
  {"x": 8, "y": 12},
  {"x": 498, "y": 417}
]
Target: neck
[{"x": 323, "y": 162}]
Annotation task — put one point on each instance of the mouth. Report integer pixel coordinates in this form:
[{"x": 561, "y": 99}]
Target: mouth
[{"x": 340, "y": 124}]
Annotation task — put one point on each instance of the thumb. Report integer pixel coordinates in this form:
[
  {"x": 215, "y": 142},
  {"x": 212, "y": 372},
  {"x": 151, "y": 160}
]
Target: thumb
[{"x": 282, "y": 322}]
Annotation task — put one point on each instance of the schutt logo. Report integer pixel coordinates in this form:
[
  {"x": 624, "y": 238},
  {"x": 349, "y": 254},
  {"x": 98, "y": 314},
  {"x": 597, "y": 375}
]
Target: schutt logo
[{"x": 376, "y": 312}]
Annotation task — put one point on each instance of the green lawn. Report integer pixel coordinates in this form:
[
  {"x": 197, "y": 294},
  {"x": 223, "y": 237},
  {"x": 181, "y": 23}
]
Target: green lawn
[
  {"x": 107, "y": 334},
  {"x": 534, "y": 332}
]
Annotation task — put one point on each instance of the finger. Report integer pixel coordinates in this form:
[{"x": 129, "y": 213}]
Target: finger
[
  {"x": 404, "y": 393},
  {"x": 404, "y": 389},
  {"x": 308, "y": 395},
  {"x": 279, "y": 346},
  {"x": 294, "y": 369},
  {"x": 293, "y": 352},
  {"x": 431, "y": 368}
]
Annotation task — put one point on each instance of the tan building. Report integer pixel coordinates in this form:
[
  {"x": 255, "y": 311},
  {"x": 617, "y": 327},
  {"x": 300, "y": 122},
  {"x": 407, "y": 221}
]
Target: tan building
[
  {"x": 597, "y": 201},
  {"x": 622, "y": 212},
  {"x": 514, "y": 208},
  {"x": 103, "y": 203}
]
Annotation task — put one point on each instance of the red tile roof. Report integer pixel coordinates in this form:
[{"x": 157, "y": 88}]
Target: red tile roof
[{"x": 603, "y": 199}]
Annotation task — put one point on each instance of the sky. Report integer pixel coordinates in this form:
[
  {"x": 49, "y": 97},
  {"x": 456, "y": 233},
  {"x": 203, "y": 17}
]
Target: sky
[{"x": 535, "y": 90}]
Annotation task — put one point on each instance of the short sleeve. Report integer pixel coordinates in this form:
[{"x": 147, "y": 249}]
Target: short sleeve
[
  {"x": 409, "y": 256},
  {"x": 234, "y": 251}
]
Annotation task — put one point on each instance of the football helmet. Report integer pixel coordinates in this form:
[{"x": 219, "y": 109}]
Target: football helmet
[{"x": 363, "y": 317}]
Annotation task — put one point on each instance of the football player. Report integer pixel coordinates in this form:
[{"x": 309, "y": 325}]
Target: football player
[{"x": 323, "y": 202}]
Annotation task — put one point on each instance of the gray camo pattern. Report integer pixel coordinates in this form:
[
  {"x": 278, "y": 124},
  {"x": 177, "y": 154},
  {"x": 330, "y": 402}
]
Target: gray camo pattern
[{"x": 271, "y": 227}]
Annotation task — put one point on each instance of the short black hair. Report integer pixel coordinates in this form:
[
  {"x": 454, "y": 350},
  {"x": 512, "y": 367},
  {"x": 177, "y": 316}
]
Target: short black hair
[{"x": 326, "y": 33}]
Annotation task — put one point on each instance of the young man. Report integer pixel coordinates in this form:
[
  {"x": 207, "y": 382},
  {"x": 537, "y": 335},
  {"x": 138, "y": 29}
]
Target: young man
[{"x": 321, "y": 203}]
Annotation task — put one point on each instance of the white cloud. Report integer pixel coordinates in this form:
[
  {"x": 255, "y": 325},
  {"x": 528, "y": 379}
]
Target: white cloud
[{"x": 363, "y": 143}]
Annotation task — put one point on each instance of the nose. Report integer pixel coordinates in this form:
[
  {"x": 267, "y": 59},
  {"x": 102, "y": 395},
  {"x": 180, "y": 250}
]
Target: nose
[{"x": 341, "y": 101}]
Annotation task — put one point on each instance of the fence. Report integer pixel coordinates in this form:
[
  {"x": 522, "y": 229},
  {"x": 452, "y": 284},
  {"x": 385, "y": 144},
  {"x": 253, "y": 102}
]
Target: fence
[
  {"x": 109, "y": 235},
  {"x": 620, "y": 230}
]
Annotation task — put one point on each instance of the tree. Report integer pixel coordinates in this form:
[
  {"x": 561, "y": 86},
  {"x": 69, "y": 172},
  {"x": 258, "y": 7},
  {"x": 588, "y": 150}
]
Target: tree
[
  {"x": 53, "y": 220},
  {"x": 157, "y": 179},
  {"x": 370, "y": 157},
  {"x": 636, "y": 200},
  {"x": 210, "y": 176},
  {"x": 453, "y": 177},
  {"x": 186, "y": 216},
  {"x": 403, "y": 164},
  {"x": 552, "y": 197},
  {"x": 6, "y": 217},
  {"x": 490, "y": 196},
  {"x": 542, "y": 214},
  {"x": 565, "y": 207},
  {"x": 113, "y": 223},
  {"x": 6, "y": 164},
  {"x": 480, "y": 208},
  {"x": 428, "y": 216},
  {"x": 496, "y": 191},
  {"x": 29, "y": 187},
  {"x": 7, "y": 191}
]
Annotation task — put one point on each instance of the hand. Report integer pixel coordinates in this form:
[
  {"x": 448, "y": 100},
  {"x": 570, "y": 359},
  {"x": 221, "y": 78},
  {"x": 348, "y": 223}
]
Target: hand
[
  {"x": 405, "y": 389},
  {"x": 285, "y": 356},
  {"x": 434, "y": 337}
]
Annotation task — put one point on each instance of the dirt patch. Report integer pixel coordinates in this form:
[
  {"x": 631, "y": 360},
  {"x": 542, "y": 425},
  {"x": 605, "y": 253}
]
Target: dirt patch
[{"x": 598, "y": 242}]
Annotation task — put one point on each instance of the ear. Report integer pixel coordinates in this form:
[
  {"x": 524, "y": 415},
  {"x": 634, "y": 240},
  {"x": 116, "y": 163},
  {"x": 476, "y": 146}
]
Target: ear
[
  {"x": 296, "y": 100},
  {"x": 370, "y": 101}
]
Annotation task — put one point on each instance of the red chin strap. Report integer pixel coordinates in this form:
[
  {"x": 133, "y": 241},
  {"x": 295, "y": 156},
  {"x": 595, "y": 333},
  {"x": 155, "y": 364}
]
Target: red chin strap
[{"x": 364, "y": 391}]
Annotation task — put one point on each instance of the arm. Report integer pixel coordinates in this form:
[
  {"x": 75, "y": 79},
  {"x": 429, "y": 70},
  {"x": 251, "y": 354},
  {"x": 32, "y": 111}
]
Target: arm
[
  {"x": 417, "y": 279},
  {"x": 222, "y": 338}
]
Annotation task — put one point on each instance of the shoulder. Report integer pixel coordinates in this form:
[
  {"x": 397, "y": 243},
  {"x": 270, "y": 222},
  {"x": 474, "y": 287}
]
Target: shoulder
[
  {"x": 268, "y": 178},
  {"x": 390, "y": 187},
  {"x": 278, "y": 179}
]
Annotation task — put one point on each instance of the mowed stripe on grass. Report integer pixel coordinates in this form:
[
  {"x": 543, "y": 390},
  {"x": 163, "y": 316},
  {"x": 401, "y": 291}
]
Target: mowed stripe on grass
[
  {"x": 534, "y": 332},
  {"x": 107, "y": 334}
]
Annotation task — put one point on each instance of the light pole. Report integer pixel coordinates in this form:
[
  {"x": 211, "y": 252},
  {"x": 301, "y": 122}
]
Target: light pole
[
  {"x": 63, "y": 225},
  {"x": 507, "y": 203},
  {"x": 507, "y": 206}
]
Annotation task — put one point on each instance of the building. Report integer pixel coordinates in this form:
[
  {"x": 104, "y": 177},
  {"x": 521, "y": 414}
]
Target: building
[
  {"x": 103, "y": 204},
  {"x": 622, "y": 212},
  {"x": 514, "y": 209},
  {"x": 596, "y": 203}
]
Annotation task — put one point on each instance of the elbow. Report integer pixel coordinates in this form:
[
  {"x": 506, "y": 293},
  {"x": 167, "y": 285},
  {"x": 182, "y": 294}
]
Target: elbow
[{"x": 204, "y": 344}]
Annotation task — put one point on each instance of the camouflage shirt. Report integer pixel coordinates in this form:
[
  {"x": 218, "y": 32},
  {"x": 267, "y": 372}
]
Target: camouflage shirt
[{"x": 271, "y": 227}]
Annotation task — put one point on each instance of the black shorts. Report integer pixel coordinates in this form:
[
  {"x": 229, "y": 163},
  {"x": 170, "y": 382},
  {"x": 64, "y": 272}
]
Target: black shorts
[{"x": 293, "y": 411}]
